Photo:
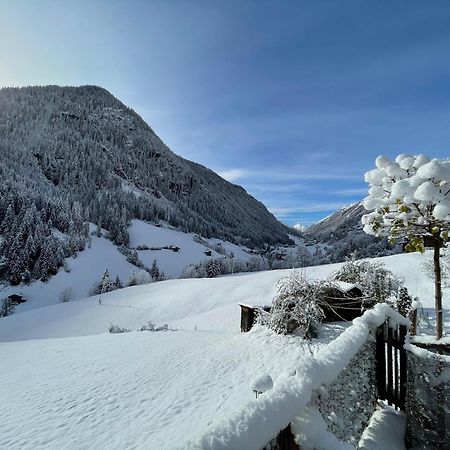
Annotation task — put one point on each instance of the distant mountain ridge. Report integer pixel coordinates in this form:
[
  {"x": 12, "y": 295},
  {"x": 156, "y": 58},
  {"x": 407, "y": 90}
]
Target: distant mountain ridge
[
  {"x": 69, "y": 155},
  {"x": 343, "y": 234}
]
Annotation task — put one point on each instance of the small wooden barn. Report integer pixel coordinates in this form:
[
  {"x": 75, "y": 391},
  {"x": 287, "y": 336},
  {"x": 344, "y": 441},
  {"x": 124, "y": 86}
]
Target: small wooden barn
[
  {"x": 16, "y": 299},
  {"x": 249, "y": 314},
  {"x": 344, "y": 301}
]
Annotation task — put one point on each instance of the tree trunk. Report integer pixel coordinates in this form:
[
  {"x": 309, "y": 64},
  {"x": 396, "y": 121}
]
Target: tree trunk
[{"x": 437, "y": 287}]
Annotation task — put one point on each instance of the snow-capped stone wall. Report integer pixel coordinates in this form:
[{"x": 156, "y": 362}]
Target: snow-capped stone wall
[
  {"x": 289, "y": 401},
  {"x": 428, "y": 399},
  {"x": 348, "y": 403}
]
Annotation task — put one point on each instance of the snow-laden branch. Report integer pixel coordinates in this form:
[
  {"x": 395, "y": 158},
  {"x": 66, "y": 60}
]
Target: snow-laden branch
[{"x": 408, "y": 196}]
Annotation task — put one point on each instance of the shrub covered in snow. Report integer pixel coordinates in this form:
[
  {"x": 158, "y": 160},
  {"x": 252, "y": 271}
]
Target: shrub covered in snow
[
  {"x": 377, "y": 283},
  {"x": 296, "y": 307},
  {"x": 409, "y": 198},
  {"x": 137, "y": 278},
  {"x": 112, "y": 328},
  {"x": 262, "y": 317},
  {"x": 66, "y": 295},
  {"x": 150, "y": 326},
  {"x": 7, "y": 307}
]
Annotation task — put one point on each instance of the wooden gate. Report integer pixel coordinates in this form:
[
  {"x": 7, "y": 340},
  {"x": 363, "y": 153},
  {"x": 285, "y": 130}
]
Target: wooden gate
[{"x": 391, "y": 364}]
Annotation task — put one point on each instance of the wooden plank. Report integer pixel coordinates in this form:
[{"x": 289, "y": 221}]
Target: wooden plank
[
  {"x": 247, "y": 318},
  {"x": 403, "y": 365},
  {"x": 381, "y": 362},
  {"x": 389, "y": 367},
  {"x": 414, "y": 317},
  {"x": 396, "y": 369}
]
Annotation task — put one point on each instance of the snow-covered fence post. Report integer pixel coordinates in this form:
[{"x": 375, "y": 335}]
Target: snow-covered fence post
[{"x": 410, "y": 198}]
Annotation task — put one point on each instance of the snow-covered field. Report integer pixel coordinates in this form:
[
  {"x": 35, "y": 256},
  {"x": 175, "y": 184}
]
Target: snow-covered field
[
  {"x": 86, "y": 269},
  {"x": 170, "y": 262},
  {"x": 204, "y": 304},
  {"x": 91, "y": 389},
  {"x": 90, "y": 264},
  {"x": 137, "y": 390}
]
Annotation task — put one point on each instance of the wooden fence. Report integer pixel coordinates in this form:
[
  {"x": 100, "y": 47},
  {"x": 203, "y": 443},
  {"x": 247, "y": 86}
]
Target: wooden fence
[
  {"x": 391, "y": 379},
  {"x": 391, "y": 364}
]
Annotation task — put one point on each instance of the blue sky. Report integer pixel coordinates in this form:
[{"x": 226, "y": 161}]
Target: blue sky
[{"x": 292, "y": 99}]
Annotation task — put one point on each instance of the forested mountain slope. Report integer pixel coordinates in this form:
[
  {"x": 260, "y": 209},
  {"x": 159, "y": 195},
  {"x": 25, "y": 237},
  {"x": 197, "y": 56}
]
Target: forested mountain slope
[
  {"x": 343, "y": 234},
  {"x": 69, "y": 155}
]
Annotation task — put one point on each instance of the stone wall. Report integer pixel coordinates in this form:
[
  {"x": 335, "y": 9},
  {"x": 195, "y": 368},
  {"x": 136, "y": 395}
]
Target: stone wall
[
  {"x": 349, "y": 402},
  {"x": 428, "y": 399}
]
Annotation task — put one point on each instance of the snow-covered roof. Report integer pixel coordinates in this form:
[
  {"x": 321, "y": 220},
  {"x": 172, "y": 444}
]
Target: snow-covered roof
[{"x": 345, "y": 287}]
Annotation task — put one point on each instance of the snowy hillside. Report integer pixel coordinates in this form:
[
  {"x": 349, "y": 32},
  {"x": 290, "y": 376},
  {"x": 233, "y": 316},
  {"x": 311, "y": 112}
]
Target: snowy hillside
[
  {"x": 205, "y": 304},
  {"x": 190, "y": 251},
  {"x": 342, "y": 233},
  {"x": 101, "y": 254},
  {"x": 91, "y": 389},
  {"x": 69, "y": 155}
]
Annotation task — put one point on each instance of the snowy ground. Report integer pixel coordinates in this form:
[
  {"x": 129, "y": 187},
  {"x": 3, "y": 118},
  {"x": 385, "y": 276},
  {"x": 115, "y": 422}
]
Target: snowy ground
[
  {"x": 89, "y": 265},
  {"x": 136, "y": 390},
  {"x": 91, "y": 389},
  {"x": 386, "y": 431},
  {"x": 85, "y": 270},
  {"x": 204, "y": 304}
]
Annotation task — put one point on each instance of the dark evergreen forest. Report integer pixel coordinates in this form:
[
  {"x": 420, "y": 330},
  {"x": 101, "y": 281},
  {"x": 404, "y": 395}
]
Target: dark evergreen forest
[{"x": 73, "y": 155}]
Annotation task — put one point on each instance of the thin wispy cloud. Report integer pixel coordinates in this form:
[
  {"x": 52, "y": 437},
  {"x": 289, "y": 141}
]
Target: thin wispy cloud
[
  {"x": 352, "y": 192},
  {"x": 289, "y": 174},
  {"x": 307, "y": 207},
  {"x": 233, "y": 174}
]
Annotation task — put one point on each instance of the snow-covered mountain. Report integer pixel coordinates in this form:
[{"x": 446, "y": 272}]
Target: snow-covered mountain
[
  {"x": 341, "y": 234},
  {"x": 73, "y": 155}
]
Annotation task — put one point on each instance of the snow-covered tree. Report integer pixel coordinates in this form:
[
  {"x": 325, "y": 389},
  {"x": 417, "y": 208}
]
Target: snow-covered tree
[
  {"x": 404, "y": 302},
  {"x": 410, "y": 199},
  {"x": 105, "y": 284},
  {"x": 213, "y": 268},
  {"x": 376, "y": 283},
  {"x": 132, "y": 280},
  {"x": 296, "y": 306},
  {"x": 7, "y": 307},
  {"x": 154, "y": 271},
  {"x": 117, "y": 283}
]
